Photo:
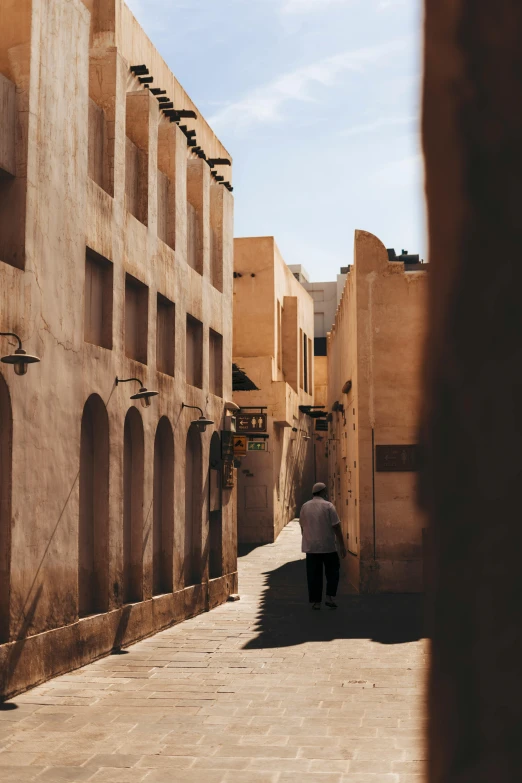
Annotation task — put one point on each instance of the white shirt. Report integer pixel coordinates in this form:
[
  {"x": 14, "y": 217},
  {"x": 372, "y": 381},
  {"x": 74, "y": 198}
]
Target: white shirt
[{"x": 318, "y": 519}]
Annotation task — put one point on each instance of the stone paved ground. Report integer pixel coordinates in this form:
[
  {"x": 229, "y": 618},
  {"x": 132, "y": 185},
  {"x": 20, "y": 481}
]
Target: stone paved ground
[{"x": 259, "y": 691}]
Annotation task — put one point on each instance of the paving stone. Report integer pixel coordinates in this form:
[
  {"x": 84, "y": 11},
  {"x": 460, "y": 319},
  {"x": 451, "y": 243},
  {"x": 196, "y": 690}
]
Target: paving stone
[
  {"x": 258, "y": 691},
  {"x": 57, "y": 774}
]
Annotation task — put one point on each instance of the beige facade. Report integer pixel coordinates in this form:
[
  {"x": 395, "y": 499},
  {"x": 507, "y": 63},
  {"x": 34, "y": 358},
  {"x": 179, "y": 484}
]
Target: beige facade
[
  {"x": 116, "y": 259},
  {"x": 326, "y": 296},
  {"x": 374, "y": 395},
  {"x": 273, "y": 344}
]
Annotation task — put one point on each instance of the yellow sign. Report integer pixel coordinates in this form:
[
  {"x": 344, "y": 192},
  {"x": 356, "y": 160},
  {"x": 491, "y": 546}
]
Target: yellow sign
[{"x": 240, "y": 445}]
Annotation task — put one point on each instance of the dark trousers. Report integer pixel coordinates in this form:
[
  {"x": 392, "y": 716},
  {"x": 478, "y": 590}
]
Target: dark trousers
[{"x": 314, "y": 575}]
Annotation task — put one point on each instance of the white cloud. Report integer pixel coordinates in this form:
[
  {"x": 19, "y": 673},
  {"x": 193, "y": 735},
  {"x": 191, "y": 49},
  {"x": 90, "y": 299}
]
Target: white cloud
[
  {"x": 382, "y": 122},
  {"x": 265, "y": 103}
]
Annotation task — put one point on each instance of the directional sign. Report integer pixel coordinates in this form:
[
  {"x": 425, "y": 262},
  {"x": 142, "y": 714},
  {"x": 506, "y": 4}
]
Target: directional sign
[
  {"x": 251, "y": 422},
  {"x": 257, "y": 445},
  {"x": 240, "y": 445},
  {"x": 397, "y": 459}
]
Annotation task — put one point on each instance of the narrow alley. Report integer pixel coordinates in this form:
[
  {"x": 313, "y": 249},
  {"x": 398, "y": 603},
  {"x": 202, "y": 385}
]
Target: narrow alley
[{"x": 261, "y": 690}]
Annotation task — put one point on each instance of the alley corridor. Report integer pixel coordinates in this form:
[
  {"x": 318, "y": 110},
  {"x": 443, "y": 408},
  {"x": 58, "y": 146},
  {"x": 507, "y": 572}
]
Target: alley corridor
[{"x": 262, "y": 690}]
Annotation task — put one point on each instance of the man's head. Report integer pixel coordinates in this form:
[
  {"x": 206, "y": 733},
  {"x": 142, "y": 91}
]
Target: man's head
[{"x": 319, "y": 490}]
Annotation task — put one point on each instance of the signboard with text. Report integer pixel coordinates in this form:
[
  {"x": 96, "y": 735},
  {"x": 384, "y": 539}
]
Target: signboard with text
[
  {"x": 251, "y": 423},
  {"x": 396, "y": 459}
]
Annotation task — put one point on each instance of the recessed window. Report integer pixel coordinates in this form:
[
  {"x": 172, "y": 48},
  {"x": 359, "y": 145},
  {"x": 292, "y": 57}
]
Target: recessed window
[
  {"x": 291, "y": 352},
  {"x": 98, "y": 300},
  {"x": 279, "y": 336},
  {"x": 136, "y": 319},
  {"x": 167, "y": 184},
  {"x": 215, "y": 363},
  {"x": 102, "y": 107},
  {"x": 194, "y": 215},
  {"x": 301, "y": 359},
  {"x": 194, "y": 351},
  {"x": 136, "y": 156},
  {"x": 310, "y": 367},
  {"x": 216, "y": 236},
  {"x": 304, "y": 371},
  {"x": 13, "y": 174},
  {"x": 165, "y": 333}
]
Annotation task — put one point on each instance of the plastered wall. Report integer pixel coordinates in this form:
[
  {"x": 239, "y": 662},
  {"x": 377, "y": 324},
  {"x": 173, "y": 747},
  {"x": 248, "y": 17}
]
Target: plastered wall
[
  {"x": 272, "y": 485},
  {"x": 68, "y": 57},
  {"x": 376, "y": 346}
]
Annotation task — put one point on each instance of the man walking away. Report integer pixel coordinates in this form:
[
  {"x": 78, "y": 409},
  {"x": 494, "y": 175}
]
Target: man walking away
[{"x": 321, "y": 529}]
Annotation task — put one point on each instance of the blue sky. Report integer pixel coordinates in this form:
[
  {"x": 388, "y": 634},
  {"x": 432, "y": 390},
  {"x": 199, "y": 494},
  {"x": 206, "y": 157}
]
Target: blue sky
[{"x": 318, "y": 103}]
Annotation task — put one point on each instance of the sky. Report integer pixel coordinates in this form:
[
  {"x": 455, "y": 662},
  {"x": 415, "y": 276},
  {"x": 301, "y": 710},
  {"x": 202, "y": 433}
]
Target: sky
[{"x": 318, "y": 103}]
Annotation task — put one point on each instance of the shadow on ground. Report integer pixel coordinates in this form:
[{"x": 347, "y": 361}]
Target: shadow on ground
[{"x": 286, "y": 619}]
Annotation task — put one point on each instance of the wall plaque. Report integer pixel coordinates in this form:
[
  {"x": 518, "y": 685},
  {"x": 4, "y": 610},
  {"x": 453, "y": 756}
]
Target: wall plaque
[{"x": 397, "y": 459}]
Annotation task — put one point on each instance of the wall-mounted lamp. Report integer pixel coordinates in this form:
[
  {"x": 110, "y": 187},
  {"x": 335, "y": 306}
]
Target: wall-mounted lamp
[
  {"x": 19, "y": 359},
  {"x": 347, "y": 387},
  {"x": 202, "y": 423},
  {"x": 306, "y": 436},
  {"x": 231, "y": 406},
  {"x": 338, "y": 406},
  {"x": 144, "y": 395}
]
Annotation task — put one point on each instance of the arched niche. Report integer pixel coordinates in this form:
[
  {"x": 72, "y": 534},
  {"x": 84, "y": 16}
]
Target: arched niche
[
  {"x": 163, "y": 511},
  {"x": 6, "y": 467},
  {"x": 93, "y": 529},
  {"x": 215, "y": 532},
  {"x": 133, "y": 475},
  {"x": 193, "y": 508}
]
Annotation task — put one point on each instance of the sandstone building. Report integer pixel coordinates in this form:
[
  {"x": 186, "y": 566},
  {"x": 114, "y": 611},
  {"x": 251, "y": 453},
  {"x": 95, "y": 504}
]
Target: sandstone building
[
  {"x": 326, "y": 296},
  {"x": 116, "y": 260},
  {"x": 273, "y": 344},
  {"x": 374, "y": 395}
]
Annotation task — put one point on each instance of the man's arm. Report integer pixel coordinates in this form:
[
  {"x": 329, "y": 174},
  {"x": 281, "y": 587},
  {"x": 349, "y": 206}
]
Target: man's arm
[{"x": 339, "y": 535}]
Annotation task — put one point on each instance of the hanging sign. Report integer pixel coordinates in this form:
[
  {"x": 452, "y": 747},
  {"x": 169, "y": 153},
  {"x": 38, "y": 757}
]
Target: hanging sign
[
  {"x": 257, "y": 445},
  {"x": 240, "y": 445},
  {"x": 251, "y": 422}
]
